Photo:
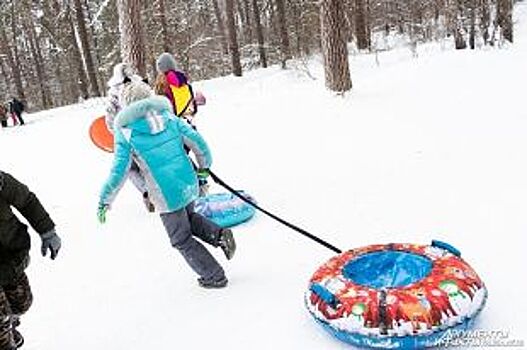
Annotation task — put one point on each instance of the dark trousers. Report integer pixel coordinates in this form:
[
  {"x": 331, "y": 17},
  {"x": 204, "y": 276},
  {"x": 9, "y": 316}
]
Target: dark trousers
[
  {"x": 15, "y": 300},
  {"x": 4, "y": 123},
  {"x": 19, "y": 117},
  {"x": 185, "y": 224}
]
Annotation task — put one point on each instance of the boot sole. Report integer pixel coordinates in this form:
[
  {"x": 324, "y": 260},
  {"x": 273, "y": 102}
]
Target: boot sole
[
  {"x": 213, "y": 286},
  {"x": 230, "y": 246}
]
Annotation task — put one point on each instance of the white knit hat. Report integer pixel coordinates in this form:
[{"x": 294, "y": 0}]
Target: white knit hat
[
  {"x": 120, "y": 72},
  {"x": 135, "y": 91}
]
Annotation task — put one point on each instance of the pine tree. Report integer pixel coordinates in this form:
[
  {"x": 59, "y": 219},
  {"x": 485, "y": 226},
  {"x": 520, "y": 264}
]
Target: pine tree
[
  {"x": 283, "y": 32},
  {"x": 86, "y": 47},
  {"x": 259, "y": 34},
  {"x": 233, "y": 39},
  {"x": 334, "y": 47},
  {"x": 132, "y": 40}
]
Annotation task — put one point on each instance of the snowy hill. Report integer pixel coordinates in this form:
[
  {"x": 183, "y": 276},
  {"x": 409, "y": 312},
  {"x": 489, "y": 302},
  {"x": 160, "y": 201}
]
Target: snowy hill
[{"x": 425, "y": 147}]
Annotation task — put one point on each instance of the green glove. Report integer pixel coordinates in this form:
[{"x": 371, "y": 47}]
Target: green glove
[
  {"x": 203, "y": 174},
  {"x": 101, "y": 213}
]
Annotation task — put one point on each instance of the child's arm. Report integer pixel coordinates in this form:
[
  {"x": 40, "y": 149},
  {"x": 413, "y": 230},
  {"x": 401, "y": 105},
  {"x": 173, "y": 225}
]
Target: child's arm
[
  {"x": 121, "y": 164},
  {"x": 112, "y": 108},
  {"x": 193, "y": 140},
  {"x": 26, "y": 202}
]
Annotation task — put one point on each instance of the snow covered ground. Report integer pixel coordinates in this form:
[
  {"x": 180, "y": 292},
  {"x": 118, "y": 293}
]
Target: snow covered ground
[{"x": 427, "y": 147}]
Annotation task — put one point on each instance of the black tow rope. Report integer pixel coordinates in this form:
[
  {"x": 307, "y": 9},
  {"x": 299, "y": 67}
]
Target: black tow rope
[{"x": 282, "y": 221}]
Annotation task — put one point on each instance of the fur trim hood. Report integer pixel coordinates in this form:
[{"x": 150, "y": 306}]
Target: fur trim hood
[{"x": 148, "y": 115}]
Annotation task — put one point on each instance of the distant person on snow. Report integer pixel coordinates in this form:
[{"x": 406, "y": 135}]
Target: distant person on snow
[
  {"x": 174, "y": 84},
  {"x": 3, "y": 115},
  {"x": 16, "y": 107},
  {"x": 147, "y": 130},
  {"x": 123, "y": 75},
  {"x": 15, "y": 292},
  {"x": 169, "y": 79}
]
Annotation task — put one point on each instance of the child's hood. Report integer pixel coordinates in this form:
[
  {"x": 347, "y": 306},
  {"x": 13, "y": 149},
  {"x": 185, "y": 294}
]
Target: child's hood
[{"x": 147, "y": 116}]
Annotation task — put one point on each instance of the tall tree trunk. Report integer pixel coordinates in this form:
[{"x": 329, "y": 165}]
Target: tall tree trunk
[
  {"x": 162, "y": 15},
  {"x": 334, "y": 48},
  {"x": 60, "y": 96},
  {"x": 296, "y": 15},
  {"x": 7, "y": 84},
  {"x": 484, "y": 20},
  {"x": 38, "y": 63},
  {"x": 13, "y": 66},
  {"x": 459, "y": 31},
  {"x": 504, "y": 19},
  {"x": 259, "y": 34},
  {"x": 150, "y": 10},
  {"x": 361, "y": 32},
  {"x": 86, "y": 49},
  {"x": 368, "y": 24},
  {"x": 233, "y": 38},
  {"x": 132, "y": 40},
  {"x": 472, "y": 30},
  {"x": 245, "y": 11},
  {"x": 58, "y": 53},
  {"x": 459, "y": 40},
  {"x": 82, "y": 78},
  {"x": 221, "y": 26},
  {"x": 349, "y": 14},
  {"x": 73, "y": 85},
  {"x": 283, "y": 33},
  {"x": 95, "y": 43}
]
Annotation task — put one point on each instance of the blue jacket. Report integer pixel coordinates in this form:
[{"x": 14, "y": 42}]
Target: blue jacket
[{"x": 148, "y": 133}]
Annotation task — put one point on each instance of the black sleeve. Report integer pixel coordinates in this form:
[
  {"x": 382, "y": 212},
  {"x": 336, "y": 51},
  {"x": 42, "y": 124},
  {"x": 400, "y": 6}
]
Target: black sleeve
[{"x": 18, "y": 195}]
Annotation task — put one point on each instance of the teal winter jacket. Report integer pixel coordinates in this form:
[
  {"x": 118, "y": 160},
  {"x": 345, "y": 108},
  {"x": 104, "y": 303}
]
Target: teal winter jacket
[{"x": 148, "y": 133}]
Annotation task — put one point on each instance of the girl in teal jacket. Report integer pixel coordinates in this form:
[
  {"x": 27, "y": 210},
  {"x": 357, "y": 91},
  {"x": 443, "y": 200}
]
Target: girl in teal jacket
[{"x": 147, "y": 132}]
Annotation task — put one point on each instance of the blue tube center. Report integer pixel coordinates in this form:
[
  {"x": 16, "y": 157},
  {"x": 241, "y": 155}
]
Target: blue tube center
[{"x": 387, "y": 269}]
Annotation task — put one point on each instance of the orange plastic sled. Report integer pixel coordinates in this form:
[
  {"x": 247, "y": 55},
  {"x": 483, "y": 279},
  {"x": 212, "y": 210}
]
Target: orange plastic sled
[{"x": 100, "y": 135}]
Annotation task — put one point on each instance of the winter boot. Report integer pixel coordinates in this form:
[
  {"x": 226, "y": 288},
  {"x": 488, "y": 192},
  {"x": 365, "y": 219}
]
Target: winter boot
[
  {"x": 227, "y": 243},
  {"x": 213, "y": 283},
  {"x": 18, "y": 339}
]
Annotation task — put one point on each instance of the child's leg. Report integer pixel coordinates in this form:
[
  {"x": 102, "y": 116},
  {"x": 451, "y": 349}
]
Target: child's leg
[
  {"x": 177, "y": 225},
  {"x": 210, "y": 233},
  {"x": 20, "y": 119},
  {"x": 139, "y": 182},
  {"x": 12, "y": 115},
  {"x": 203, "y": 228},
  {"x": 137, "y": 177},
  {"x": 19, "y": 295},
  {"x": 20, "y": 299},
  {"x": 6, "y": 334}
]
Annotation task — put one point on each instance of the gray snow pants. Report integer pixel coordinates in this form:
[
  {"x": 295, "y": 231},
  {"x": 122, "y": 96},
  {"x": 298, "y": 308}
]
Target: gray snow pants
[{"x": 185, "y": 224}]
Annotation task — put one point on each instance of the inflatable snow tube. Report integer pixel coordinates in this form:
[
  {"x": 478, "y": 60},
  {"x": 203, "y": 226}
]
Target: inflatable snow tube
[
  {"x": 396, "y": 296},
  {"x": 225, "y": 209}
]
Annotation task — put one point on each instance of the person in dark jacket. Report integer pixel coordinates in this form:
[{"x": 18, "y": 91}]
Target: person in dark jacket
[
  {"x": 15, "y": 292},
  {"x": 16, "y": 107}
]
